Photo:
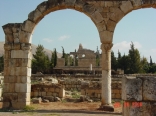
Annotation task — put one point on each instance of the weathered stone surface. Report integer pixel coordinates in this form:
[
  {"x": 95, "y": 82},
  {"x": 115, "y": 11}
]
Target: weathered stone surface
[
  {"x": 111, "y": 25},
  {"x": 43, "y": 7},
  {"x": 7, "y": 54},
  {"x": 26, "y": 46},
  {"x": 23, "y": 79},
  {"x": 149, "y": 89},
  {"x": 101, "y": 26},
  {"x": 108, "y": 3},
  {"x": 17, "y": 46},
  {"x": 116, "y": 14},
  {"x": 20, "y": 71},
  {"x": 126, "y": 7},
  {"x": 16, "y": 28},
  {"x": 79, "y": 4},
  {"x": 35, "y": 16},
  {"x": 89, "y": 9},
  {"x": 106, "y": 36},
  {"x": 10, "y": 97},
  {"x": 23, "y": 97},
  {"x": 25, "y": 37},
  {"x": 70, "y": 3},
  {"x": 9, "y": 38},
  {"x": 7, "y": 46},
  {"x": 21, "y": 54},
  {"x": 7, "y": 28},
  {"x": 28, "y": 26},
  {"x": 9, "y": 87},
  {"x": 23, "y": 87},
  {"x": 139, "y": 109},
  {"x": 97, "y": 17},
  {"x": 131, "y": 89}
]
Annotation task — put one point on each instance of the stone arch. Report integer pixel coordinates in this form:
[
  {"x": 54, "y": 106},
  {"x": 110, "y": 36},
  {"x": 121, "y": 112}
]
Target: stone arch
[{"x": 17, "y": 58}]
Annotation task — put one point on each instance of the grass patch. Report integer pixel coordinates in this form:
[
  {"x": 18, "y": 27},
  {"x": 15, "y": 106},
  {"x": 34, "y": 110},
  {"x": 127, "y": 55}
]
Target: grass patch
[{"x": 28, "y": 108}]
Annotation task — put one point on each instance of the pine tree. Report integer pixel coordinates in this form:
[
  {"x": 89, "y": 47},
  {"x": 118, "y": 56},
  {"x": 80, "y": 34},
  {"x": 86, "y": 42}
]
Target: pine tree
[
  {"x": 76, "y": 59},
  {"x": 63, "y": 53},
  {"x": 134, "y": 55},
  {"x": 113, "y": 61},
  {"x": 40, "y": 63},
  {"x": 55, "y": 57},
  {"x": 151, "y": 63}
]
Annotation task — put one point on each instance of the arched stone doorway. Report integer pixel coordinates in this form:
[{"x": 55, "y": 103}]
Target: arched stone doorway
[{"x": 17, "y": 59}]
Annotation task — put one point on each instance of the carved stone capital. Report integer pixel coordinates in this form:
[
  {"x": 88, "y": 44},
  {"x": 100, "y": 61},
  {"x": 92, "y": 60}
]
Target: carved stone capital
[
  {"x": 106, "y": 47},
  {"x": 26, "y": 46}
]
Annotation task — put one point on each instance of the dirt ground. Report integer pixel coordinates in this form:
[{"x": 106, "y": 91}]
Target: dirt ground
[{"x": 65, "y": 109}]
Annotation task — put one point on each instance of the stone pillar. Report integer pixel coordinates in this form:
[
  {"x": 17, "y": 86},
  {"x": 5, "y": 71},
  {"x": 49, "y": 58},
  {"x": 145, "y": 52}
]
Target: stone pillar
[
  {"x": 17, "y": 73},
  {"x": 106, "y": 78}
]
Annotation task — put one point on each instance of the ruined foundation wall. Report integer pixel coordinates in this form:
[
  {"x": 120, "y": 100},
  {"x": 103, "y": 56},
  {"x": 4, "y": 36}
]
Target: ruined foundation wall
[{"x": 39, "y": 90}]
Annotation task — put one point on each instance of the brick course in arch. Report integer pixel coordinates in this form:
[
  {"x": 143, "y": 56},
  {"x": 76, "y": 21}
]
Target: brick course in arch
[{"x": 17, "y": 58}]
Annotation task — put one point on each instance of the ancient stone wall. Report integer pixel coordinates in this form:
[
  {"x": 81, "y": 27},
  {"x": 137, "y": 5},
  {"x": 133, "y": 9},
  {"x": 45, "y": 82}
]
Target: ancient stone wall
[
  {"x": 60, "y": 62},
  {"x": 93, "y": 89},
  {"x": 41, "y": 90},
  {"x": 87, "y": 62},
  {"x": 139, "y": 95}
]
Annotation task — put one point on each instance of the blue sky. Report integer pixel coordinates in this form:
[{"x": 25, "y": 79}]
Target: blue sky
[{"x": 68, "y": 28}]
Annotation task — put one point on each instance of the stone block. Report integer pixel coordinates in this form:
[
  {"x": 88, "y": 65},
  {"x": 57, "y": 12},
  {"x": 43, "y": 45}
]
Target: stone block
[
  {"x": 101, "y": 26},
  {"x": 7, "y": 97},
  {"x": 23, "y": 79},
  {"x": 7, "y": 28},
  {"x": 49, "y": 93},
  {"x": 17, "y": 46},
  {"x": 25, "y": 37},
  {"x": 57, "y": 90},
  {"x": 9, "y": 87},
  {"x": 126, "y": 7},
  {"x": 108, "y": 3},
  {"x": 116, "y": 14},
  {"x": 21, "y": 54},
  {"x": 28, "y": 26},
  {"x": 19, "y": 105},
  {"x": 26, "y": 62},
  {"x": 23, "y": 87},
  {"x": 62, "y": 93},
  {"x": 43, "y": 93},
  {"x": 23, "y": 97},
  {"x": 8, "y": 47},
  {"x": 106, "y": 36},
  {"x": 139, "y": 109},
  {"x": 9, "y": 38},
  {"x": 149, "y": 88},
  {"x": 88, "y": 9},
  {"x": 20, "y": 71},
  {"x": 131, "y": 89},
  {"x": 97, "y": 17},
  {"x": 7, "y": 54},
  {"x": 35, "y": 94},
  {"x": 35, "y": 16},
  {"x": 70, "y": 3},
  {"x": 111, "y": 25}
]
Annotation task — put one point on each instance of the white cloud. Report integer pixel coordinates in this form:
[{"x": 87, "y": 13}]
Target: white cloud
[
  {"x": 48, "y": 40},
  {"x": 64, "y": 37},
  {"x": 125, "y": 46}
]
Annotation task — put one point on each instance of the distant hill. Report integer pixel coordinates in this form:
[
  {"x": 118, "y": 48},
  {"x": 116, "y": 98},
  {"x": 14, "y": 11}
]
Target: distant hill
[{"x": 47, "y": 51}]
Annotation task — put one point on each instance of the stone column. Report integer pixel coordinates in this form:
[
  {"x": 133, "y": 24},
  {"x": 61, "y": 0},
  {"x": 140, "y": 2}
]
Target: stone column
[
  {"x": 106, "y": 77},
  {"x": 17, "y": 73}
]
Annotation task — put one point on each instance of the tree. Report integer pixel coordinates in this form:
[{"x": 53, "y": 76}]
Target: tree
[
  {"x": 119, "y": 60},
  {"x": 40, "y": 63},
  {"x": 124, "y": 63},
  {"x": 76, "y": 59},
  {"x": 113, "y": 61},
  {"x": 1, "y": 63},
  {"x": 144, "y": 65},
  {"x": 151, "y": 63},
  {"x": 63, "y": 53},
  {"x": 134, "y": 56}
]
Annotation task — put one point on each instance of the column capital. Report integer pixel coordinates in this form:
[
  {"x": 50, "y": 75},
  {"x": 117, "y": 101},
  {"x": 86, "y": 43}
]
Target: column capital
[{"x": 106, "y": 46}]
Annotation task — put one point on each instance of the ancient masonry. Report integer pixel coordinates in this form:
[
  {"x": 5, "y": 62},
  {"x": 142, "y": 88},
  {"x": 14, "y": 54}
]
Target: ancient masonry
[{"x": 17, "y": 71}]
